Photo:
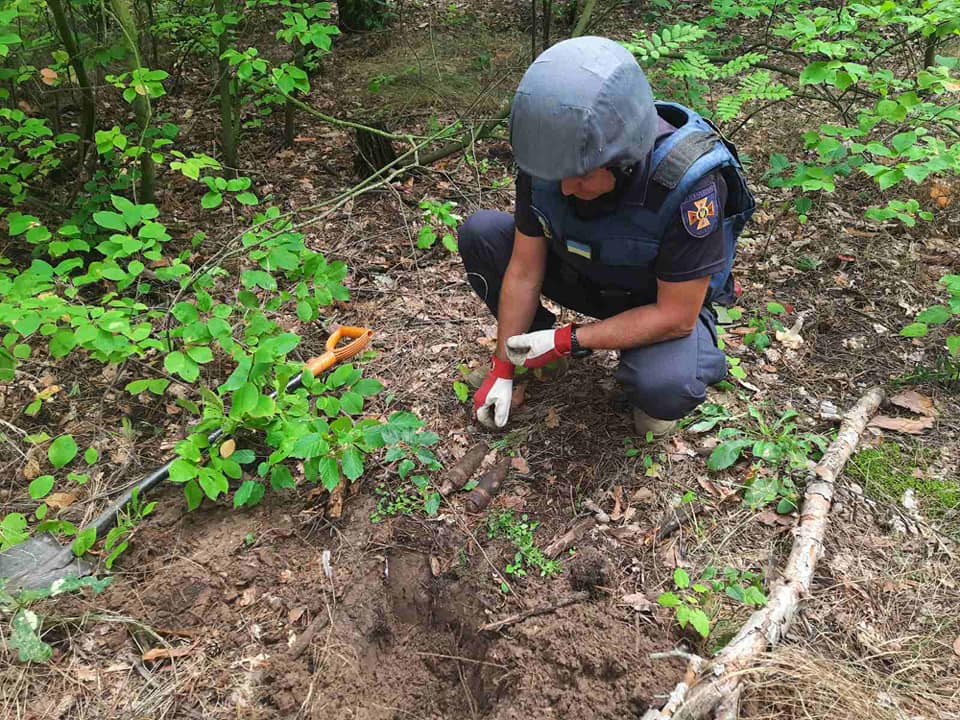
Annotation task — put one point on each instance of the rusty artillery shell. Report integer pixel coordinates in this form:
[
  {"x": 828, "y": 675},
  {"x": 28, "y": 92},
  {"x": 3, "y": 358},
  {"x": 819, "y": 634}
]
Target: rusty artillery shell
[
  {"x": 487, "y": 486},
  {"x": 461, "y": 473}
]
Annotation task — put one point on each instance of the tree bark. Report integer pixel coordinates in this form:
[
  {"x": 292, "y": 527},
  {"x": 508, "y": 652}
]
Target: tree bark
[
  {"x": 228, "y": 121},
  {"x": 373, "y": 151},
  {"x": 722, "y": 676},
  {"x": 87, "y": 100},
  {"x": 289, "y": 109},
  {"x": 141, "y": 104}
]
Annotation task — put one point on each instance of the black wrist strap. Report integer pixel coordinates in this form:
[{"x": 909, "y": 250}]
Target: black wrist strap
[{"x": 575, "y": 349}]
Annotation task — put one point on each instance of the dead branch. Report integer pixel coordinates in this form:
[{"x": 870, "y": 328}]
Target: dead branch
[
  {"x": 539, "y": 610},
  {"x": 306, "y": 637},
  {"x": 722, "y": 676},
  {"x": 570, "y": 537},
  {"x": 677, "y": 519}
]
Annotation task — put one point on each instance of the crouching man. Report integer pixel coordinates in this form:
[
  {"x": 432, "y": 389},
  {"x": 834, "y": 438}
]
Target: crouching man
[{"x": 628, "y": 211}]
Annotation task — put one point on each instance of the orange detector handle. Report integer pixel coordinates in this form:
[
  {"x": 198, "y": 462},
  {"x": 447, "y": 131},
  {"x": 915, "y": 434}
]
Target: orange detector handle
[{"x": 360, "y": 339}]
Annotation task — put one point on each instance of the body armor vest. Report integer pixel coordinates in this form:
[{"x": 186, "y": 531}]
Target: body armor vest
[{"x": 617, "y": 251}]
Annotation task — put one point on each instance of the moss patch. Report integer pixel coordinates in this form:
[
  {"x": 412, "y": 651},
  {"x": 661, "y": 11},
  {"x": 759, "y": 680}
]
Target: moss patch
[
  {"x": 453, "y": 70},
  {"x": 889, "y": 469}
]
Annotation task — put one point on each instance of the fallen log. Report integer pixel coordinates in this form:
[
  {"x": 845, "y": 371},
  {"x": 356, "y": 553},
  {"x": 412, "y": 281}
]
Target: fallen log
[{"x": 720, "y": 679}]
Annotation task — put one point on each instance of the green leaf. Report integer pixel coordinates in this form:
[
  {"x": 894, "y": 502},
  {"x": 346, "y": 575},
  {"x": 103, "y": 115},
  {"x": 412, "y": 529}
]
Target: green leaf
[
  {"x": 110, "y": 220},
  {"x": 25, "y": 638},
  {"x": 280, "y": 478},
  {"x": 432, "y": 504},
  {"x": 917, "y": 329},
  {"x": 62, "y": 450},
  {"x": 180, "y": 364},
  {"x": 91, "y": 455},
  {"x": 329, "y": 473},
  {"x": 700, "y": 621},
  {"x": 953, "y": 344},
  {"x": 352, "y": 462},
  {"x": 461, "y": 390},
  {"x": 200, "y": 354},
  {"x": 182, "y": 470},
  {"x": 340, "y": 376},
  {"x": 668, "y": 599},
  {"x": 193, "y": 495},
  {"x": 211, "y": 200},
  {"x": 934, "y": 315},
  {"x": 84, "y": 541},
  {"x": 775, "y": 308},
  {"x": 351, "y": 403},
  {"x": 248, "y": 494},
  {"x": 309, "y": 446},
  {"x": 247, "y": 198},
  {"x": 19, "y": 223},
  {"x": 681, "y": 579},
  {"x": 41, "y": 486},
  {"x": 815, "y": 72},
  {"x": 244, "y": 399},
  {"x": 725, "y": 454},
  {"x": 368, "y": 387}
]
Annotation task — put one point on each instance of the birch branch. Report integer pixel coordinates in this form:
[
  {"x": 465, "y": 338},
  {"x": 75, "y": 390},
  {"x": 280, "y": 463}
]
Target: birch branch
[{"x": 767, "y": 625}]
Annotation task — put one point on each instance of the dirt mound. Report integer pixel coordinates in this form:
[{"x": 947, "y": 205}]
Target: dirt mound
[{"x": 392, "y": 636}]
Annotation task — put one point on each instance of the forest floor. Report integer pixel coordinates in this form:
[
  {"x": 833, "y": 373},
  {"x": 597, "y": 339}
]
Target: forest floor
[{"x": 397, "y": 605}]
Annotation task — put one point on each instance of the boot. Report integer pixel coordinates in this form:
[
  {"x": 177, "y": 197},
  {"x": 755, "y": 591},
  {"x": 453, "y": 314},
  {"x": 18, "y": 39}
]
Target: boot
[{"x": 645, "y": 423}]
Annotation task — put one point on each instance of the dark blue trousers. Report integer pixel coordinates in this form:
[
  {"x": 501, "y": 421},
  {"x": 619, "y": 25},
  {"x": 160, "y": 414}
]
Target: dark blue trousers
[{"x": 666, "y": 380}]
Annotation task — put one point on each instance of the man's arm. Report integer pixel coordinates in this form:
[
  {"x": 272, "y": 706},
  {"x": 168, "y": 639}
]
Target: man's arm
[
  {"x": 520, "y": 293},
  {"x": 674, "y": 315}
]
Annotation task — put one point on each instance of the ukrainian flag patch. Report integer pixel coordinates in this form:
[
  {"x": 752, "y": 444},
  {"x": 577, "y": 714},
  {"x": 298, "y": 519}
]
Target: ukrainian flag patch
[{"x": 581, "y": 249}]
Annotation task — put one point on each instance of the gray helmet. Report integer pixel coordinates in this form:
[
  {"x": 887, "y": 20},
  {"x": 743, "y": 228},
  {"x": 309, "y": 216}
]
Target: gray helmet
[{"x": 583, "y": 104}]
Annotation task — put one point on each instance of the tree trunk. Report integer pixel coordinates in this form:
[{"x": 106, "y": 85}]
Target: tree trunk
[
  {"x": 289, "y": 109},
  {"x": 141, "y": 104},
  {"x": 585, "y": 12},
  {"x": 373, "y": 151},
  {"x": 228, "y": 123},
  {"x": 87, "y": 105},
  {"x": 360, "y": 15},
  {"x": 148, "y": 31},
  {"x": 547, "y": 17}
]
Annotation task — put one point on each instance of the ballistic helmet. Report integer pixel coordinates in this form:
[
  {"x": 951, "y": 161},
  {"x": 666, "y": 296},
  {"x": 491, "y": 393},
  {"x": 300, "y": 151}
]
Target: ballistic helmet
[{"x": 583, "y": 104}]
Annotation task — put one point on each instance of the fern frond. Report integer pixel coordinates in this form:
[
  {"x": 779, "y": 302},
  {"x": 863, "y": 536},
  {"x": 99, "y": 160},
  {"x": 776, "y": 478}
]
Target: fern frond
[
  {"x": 729, "y": 106},
  {"x": 663, "y": 42},
  {"x": 740, "y": 64}
]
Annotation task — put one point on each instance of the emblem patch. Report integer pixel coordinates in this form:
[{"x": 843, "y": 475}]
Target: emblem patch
[
  {"x": 544, "y": 223},
  {"x": 581, "y": 249},
  {"x": 699, "y": 211}
]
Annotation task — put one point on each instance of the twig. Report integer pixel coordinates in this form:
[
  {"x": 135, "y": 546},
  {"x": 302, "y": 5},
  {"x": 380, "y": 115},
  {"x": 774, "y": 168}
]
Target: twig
[
  {"x": 679, "y": 517},
  {"x": 767, "y": 625},
  {"x": 306, "y": 637},
  {"x": 570, "y": 537},
  {"x": 539, "y": 610}
]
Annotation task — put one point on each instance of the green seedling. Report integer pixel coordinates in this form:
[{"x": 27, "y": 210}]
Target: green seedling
[
  {"x": 128, "y": 520},
  {"x": 26, "y": 626},
  {"x": 697, "y": 604},
  {"x": 527, "y": 556},
  {"x": 778, "y": 449},
  {"x": 409, "y": 451},
  {"x": 438, "y": 214}
]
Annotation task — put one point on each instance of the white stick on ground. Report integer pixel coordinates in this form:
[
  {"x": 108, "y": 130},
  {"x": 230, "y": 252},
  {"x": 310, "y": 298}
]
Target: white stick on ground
[{"x": 768, "y": 624}]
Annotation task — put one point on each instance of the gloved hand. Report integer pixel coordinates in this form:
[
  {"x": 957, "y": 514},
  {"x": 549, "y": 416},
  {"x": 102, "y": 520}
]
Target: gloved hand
[
  {"x": 539, "y": 348},
  {"x": 492, "y": 401}
]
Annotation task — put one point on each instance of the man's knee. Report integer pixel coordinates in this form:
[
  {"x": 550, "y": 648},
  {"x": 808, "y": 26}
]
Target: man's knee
[
  {"x": 482, "y": 233},
  {"x": 667, "y": 396}
]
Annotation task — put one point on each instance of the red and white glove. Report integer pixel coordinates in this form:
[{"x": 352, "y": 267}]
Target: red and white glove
[
  {"x": 539, "y": 348},
  {"x": 492, "y": 401}
]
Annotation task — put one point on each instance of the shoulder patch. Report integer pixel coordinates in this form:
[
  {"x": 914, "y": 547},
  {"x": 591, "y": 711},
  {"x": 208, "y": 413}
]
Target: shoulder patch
[{"x": 698, "y": 211}]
